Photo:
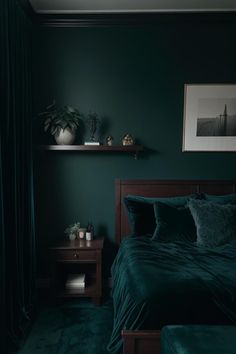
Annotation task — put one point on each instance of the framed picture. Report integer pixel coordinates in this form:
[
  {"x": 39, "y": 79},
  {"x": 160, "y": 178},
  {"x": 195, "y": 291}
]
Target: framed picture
[{"x": 209, "y": 117}]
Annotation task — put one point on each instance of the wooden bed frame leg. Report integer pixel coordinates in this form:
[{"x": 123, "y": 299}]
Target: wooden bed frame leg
[{"x": 140, "y": 342}]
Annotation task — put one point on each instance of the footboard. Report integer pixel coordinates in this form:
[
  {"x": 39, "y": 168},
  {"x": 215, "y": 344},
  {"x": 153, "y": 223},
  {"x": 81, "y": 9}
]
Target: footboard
[{"x": 140, "y": 342}]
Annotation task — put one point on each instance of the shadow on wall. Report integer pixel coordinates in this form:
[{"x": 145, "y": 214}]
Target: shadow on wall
[
  {"x": 109, "y": 251},
  {"x": 147, "y": 152}
]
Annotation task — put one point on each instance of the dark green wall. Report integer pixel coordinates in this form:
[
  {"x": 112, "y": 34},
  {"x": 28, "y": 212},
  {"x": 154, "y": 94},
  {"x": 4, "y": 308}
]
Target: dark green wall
[{"x": 134, "y": 78}]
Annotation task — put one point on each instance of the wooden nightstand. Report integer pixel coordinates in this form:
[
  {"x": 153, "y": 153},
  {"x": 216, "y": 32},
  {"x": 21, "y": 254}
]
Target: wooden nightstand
[{"x": 78, "y": 257}]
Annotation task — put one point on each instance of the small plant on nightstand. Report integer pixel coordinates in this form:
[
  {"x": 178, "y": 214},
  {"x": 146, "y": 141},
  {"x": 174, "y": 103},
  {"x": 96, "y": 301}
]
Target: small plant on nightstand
[{"x": 72, "y": 231}]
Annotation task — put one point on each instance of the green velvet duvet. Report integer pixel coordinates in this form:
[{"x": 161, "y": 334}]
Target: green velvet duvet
[{"x": 156, "y": 284}]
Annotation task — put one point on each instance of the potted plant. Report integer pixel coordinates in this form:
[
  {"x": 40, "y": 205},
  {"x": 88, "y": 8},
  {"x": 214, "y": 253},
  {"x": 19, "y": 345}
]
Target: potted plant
[
  {"x": 73, "y": 231},
  {"x": 62, "y": 122}
]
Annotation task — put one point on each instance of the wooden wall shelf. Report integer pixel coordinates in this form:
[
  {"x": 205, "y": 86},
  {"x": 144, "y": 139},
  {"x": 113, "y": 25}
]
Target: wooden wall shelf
[{"x": 135, "y": 149}]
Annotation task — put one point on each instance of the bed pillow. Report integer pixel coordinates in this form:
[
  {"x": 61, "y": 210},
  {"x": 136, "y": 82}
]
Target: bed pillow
[
  {"x": 141, "y": 217},
  {"x": 215, "y": 223},
  {"x": 176, "y": 201},
  {"x": 173, "y": 224},
  {"x": 221, "y": 199},
  {"x": 141, "y": 213}
]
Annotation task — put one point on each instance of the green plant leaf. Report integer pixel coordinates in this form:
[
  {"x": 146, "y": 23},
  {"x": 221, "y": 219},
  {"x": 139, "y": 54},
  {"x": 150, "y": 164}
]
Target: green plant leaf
[
  {"x": 46, "y": 126},
  {"x": 58, "y": 121},
  {"x": 70, "y": 109},
  {"x": 47, "y": 121},
  {"x": 57, "y": 118},
  {"x": 53, "y": 130},
  {"x": 72, "y": 126}
]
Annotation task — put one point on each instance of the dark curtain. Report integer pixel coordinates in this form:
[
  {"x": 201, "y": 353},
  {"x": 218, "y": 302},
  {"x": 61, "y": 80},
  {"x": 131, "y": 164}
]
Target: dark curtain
[{"x": 17, "y": 244}]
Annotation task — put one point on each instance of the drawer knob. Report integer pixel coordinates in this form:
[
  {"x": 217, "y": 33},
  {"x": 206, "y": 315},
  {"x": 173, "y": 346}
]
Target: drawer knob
[{"x": 76, "y": 255}]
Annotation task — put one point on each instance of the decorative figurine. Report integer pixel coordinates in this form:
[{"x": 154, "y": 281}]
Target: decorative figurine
[
  {"x": 109, "y": 140},
  {"x": 127, "y": 140},
  {"x": 92, "y": 122}
]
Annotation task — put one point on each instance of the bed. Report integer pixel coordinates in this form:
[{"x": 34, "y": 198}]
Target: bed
[{"x": 159, "y": 283}]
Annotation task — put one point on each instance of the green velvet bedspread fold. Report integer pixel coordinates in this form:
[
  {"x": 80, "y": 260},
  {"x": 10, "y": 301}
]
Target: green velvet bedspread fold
[
  {"x": 155, "y": 284},
  {"x": 198, "y": 339}
]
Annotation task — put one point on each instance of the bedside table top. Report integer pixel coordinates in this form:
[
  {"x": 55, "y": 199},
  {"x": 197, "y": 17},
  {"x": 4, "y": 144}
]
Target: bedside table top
[{"x": 96, "y": 243}]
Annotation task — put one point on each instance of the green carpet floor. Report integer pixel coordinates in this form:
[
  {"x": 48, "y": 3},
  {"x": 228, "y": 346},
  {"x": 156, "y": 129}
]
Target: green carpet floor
[{"x": 71, "y": 328}]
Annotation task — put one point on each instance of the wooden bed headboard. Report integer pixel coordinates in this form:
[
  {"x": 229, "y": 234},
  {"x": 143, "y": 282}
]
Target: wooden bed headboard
[{"x": 162, "y": 188}]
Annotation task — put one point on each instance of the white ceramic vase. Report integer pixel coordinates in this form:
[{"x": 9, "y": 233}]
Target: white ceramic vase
[
  {"x": 72, "y": 237},
  {"x": 65, "y": 137}
]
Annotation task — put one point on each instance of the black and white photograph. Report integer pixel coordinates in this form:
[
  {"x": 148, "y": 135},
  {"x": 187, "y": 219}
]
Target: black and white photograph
[
  {"x": 209, "y": 117},
  {"x": 216, "y": 117}
]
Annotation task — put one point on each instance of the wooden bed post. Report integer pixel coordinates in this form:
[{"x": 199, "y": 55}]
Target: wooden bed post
[
  {"x": 118, "y": 210},
  {"x": 141, "y": 342}
]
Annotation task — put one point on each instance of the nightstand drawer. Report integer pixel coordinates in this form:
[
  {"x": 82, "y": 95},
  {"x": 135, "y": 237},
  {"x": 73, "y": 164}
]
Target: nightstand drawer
[{"x": 75, "y": 255}]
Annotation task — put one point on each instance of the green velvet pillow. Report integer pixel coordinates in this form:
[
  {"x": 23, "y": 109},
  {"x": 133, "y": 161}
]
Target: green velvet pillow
[
  {"x": 141, "y": 217},
  {"x": 141, "y": 214},
  {"x": 221, "y": 199},
  {"x": 176, "y": 201},
  {"x": 215, "y": 223},
  {"x": 173, "y": 224}
]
